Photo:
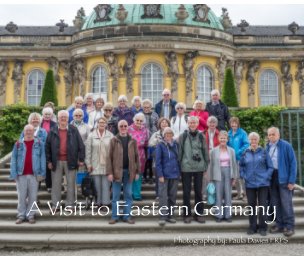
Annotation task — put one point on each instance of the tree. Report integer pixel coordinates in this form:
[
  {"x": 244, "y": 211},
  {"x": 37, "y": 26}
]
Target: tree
[
  {"x": 229, "y": 96},
  {"x": 49, "y": 92}
]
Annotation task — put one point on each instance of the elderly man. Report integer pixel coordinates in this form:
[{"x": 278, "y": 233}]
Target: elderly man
[
  {"x": 194, "y": 160},
  {"x": 27, "y": 169},
  {"x": 65, "y": 151},
  {"x": 166, "y": 107},
  {"x": 283, "y": 181},
  {"x": 122, "y": 168},
  {"x": 218, "y": 109}
]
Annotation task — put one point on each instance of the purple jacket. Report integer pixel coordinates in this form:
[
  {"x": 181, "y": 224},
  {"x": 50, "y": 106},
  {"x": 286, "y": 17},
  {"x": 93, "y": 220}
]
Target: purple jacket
[{"x": 124, "y": 114}]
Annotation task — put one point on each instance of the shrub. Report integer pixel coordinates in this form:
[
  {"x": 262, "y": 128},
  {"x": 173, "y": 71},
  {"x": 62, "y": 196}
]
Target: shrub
[
  {"x": 229, "y": 93},
  {"x": 49, "y": 92}
]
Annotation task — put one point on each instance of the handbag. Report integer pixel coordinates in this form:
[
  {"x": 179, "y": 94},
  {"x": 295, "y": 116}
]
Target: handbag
[
  {"x": 87, "y": 186},
  {"x": 211, "y": 192}
]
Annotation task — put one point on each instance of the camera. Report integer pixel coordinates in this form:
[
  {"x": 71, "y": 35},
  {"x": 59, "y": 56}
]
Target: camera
[{"x": 196, "y": 158}]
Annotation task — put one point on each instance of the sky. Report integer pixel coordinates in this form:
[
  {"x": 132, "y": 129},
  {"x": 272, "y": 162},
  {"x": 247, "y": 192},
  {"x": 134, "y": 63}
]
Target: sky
[{"x": 48, "y": 14}]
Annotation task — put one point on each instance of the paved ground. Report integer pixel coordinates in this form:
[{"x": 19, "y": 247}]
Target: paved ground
[{"x": 230, "y": 250}]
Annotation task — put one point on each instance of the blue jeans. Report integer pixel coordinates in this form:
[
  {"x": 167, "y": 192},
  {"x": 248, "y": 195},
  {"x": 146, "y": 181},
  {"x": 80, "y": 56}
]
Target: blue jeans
[
  {"x": 127, "y": 195},
  {"x": 281, "y": 198}
]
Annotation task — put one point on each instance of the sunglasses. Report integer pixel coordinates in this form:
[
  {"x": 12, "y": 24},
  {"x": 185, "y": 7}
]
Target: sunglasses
[
  {"x": 108, "y": 110},
  {"x": 123, "y": 126}
]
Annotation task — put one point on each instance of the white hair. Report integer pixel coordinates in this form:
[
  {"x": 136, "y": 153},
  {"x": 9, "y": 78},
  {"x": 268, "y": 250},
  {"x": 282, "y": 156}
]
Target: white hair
[
  {"x": 78, "y": 110},
  {"x": 32, "y": 115},
  {"x": 88, "y": 95},
  {"x": 63, "y": 113},
  {"x": 254, "y": 134},
  {"x": 147, "y": 101},
  {"x": 167, "y": 130},
  {"x": 78, "y": 98},
  {"x": 139, "y": 115},
  {"x": 212, "y": 119},
  {"x": 180, "y": 104},
  {"x": 223, "y": 133},
  {"x": 28, "y": 126},
  {"x": 122, "y": 98},
  {"x": 193, "y": 118},
  {"x": 166, "y": 91},
  {"x": 215, "y": 91},
  {"x": 277, "y": 130},
  {"x": 198, "y": 102},
  {"x": 47, "y": 110},
  {"x": 136, "y": 98}
]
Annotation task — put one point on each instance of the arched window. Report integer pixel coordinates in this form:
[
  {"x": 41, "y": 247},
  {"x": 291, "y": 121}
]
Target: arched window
[
  {"x": 269, "y": 88},
  {"x": 35, "y": 81},
  {"x": 204, "y": 83},
  {"x": 100, "y": 80},
  {"x": 152, "y": 82}
]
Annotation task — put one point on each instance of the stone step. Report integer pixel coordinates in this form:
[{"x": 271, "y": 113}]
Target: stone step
[
  {"x": 141, "y": 226},
  {"x": 5, "y": 171},
  {"x": 52, "y": 240},
  {"x": 4, "y": 178}
]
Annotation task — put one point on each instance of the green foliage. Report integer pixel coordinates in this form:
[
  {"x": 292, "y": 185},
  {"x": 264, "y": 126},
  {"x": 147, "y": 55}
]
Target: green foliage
[
  {"x": 229, "y": 96},
  {"x": 49, "y": 92},
  {"x": 259, "y": 119}
]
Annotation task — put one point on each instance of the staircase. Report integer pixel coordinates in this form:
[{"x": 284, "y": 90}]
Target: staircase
[{"x": 88, "y": 231}]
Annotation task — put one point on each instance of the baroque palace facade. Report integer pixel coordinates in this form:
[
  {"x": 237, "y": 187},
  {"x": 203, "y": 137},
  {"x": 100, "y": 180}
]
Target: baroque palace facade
[{"x": 142, "y": 49}]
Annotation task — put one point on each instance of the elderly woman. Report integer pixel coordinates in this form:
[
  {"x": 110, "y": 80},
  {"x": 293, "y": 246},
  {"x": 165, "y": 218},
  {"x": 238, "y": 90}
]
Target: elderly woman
[
  {"x": 122, "y": 112},
  {"x": 238, "y": 140},
  {"x": 223, "y": 172},
  {"x": 136, "y": 105},
  {"x": 168, "y": 172},
  {"x": 140, "y": 133},
  {"x": 51, "y": 105},
  {"x": 88, "y": 105},
  {"x": 78, "y": 104},
  {"x": 35, "y": 120},
  {"x": 179, "y": 122},
  {"x": 212, "y": 133},
  {"x": 97, "y": 149},
  {"x": 111, "y": 120},
  {"x": 256, "y": 169},
  {"x": 83, "y": 128},
  {"x": 201, "y": 113},
  {"x": 97, "y": 113},
  {"x": 155, "y": 139}
]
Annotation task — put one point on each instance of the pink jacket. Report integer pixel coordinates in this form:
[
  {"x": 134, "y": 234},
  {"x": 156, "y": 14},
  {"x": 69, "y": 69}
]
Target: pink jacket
[{"x": 202, "y": 116}]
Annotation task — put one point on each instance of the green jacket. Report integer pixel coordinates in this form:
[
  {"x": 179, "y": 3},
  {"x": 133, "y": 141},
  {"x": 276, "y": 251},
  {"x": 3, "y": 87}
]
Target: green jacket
[{"x": 190, "y": 147}]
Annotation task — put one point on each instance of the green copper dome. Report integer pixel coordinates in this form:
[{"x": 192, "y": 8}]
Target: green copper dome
[{"x": 166, "y": 12}]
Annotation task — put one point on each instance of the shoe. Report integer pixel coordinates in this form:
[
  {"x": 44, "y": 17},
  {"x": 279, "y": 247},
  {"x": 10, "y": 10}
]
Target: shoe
[
  {"x": 32, "y": 221},
  {"x": 218, "y": 220},
  {"x": 130, "y": 221},
  {"x": 229, "y": 220},
  {"x": 250, "y": 231},
  {"x": 263, "y": 233},
  {"x": 112, "y": 221},
  {"x": 162, "y": 223},
  {"x": 171, "y": 220},
  {"x": 276, "y": 229},
  {"x": 144, "y": 181},
  {"x": 187, "y": 220},
  {"x": 19, "y": 221},
  {"x": 151, "y": 181},
  {"x": 200, "y": 219},
  {"x": 288, "y": 232}
]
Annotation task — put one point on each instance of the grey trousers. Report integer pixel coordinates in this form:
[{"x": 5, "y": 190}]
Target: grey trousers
[
  {"x": 223, "y": 194},
  {"x": 167, "y": 192},
  {"x": 62, "y": 166},
  {"x": 27, "y": 189},
  {"x": 102, "y": 186}
]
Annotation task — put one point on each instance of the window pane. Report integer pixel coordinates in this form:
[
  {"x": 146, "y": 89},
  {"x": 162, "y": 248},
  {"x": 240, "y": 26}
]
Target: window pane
[
  {"x": 35, "y": 83},
  {"x": 99, "y": 80},
  {"x": 204, "y": 83},
  {"x": 269, "y": 92}
]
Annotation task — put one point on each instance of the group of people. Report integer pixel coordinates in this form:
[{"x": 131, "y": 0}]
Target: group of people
[{"x": 123, "y": 147}]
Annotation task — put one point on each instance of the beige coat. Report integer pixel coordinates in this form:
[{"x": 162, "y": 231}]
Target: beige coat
[
  {"x": 97, "y": 151},
  {"x": 115, "y": 159}
]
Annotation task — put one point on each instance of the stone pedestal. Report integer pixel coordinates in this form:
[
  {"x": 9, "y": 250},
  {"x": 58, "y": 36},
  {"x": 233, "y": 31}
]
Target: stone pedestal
[{"x": 251, "y": 101}]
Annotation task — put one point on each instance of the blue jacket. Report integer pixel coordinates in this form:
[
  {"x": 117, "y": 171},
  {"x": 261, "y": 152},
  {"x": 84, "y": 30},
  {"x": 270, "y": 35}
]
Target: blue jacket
[
  {"x": 256, "y": 168},
  {"x": 85, "y": 115},
  {"x": 167, "y": 164},
  {"x": 18, "y": 158},
  {"x": 41, "y": 135},
  {"x": 287, "y": 162},
  {"x": 159, "y": 106},
  {"x": 239, "y": 142},
  {"x": 135, "y": 111}
]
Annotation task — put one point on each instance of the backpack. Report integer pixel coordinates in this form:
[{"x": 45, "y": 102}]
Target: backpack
[{"x": 185, "y": 117}]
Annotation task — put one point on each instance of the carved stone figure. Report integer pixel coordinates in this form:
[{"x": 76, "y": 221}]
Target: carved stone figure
[
  {"x": 238, "y": 74},
  {"x": 188, "y": 65},
  {"x": 226, "y": 21},
  {"x": 68, "y": 79},
  {"x": 17, "y": 77},
  {"x": 293, "y": 27},
  {"x": 11, "y": 27},
  {"x": 79, "y": 75},
  {"x": 201, "y": 13},
  {"x": 121, "y": 13},
  {"x": 54, "y": 65},
  {"x": 79, "y": 19},
  {"x": 128, "y": 69},
  {"x": 300, "y": 77},
  {"x": 221, "y": 67},
  {"x": 287, "y": 80},
  {"x": 152, "y": 11},
  {"x": 112, "y": 61},
  {"x": 3, "y": 76},
  {"x": 243, "y": 25},
  {"x": 102, "y": 12},
  {"x": 172, "y": 64},
  {"x": 61, "y": 25},
  {"x": 253, "y": 67}
]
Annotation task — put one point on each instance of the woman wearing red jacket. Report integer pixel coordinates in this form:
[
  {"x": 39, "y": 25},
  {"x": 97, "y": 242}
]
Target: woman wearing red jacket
[{"x": 199, "y": 111}]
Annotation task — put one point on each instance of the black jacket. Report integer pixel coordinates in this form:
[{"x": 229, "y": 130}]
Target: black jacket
[
  {"x": 52, "y": 124},
  {"x": 75, "y": 147},
  {"x": 221, "y": 112},
  {"x": 159, "y": 106}
]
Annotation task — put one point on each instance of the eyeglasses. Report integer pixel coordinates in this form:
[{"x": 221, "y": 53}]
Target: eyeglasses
[
  {"x": 166, "y": 94},
  {"x": 106, "y": 110},
  {"x": 180, "y": 108},
  {"x": 139, "y": 121},
  {"x": 123, "y": 126},
  {"x": 78, "y": 115}
]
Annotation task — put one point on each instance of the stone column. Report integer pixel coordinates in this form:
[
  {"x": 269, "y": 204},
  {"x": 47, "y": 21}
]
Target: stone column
[
  {"x": 188, "y": 65},
  {"x": 300, "y": 79},
  {"x": 221, "y": 67},
  {"x": 253, "y": 67},
  {"x": 129, "y": 72},
  {"x": 3, "y": 79},
  {"x": 67, "y": 76},
  {"x": 173, "y": 73},
  {"x": 287, "y": 81},
  {"x": 17, "y": 77},
  {"x": 238, "y": 76}
]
